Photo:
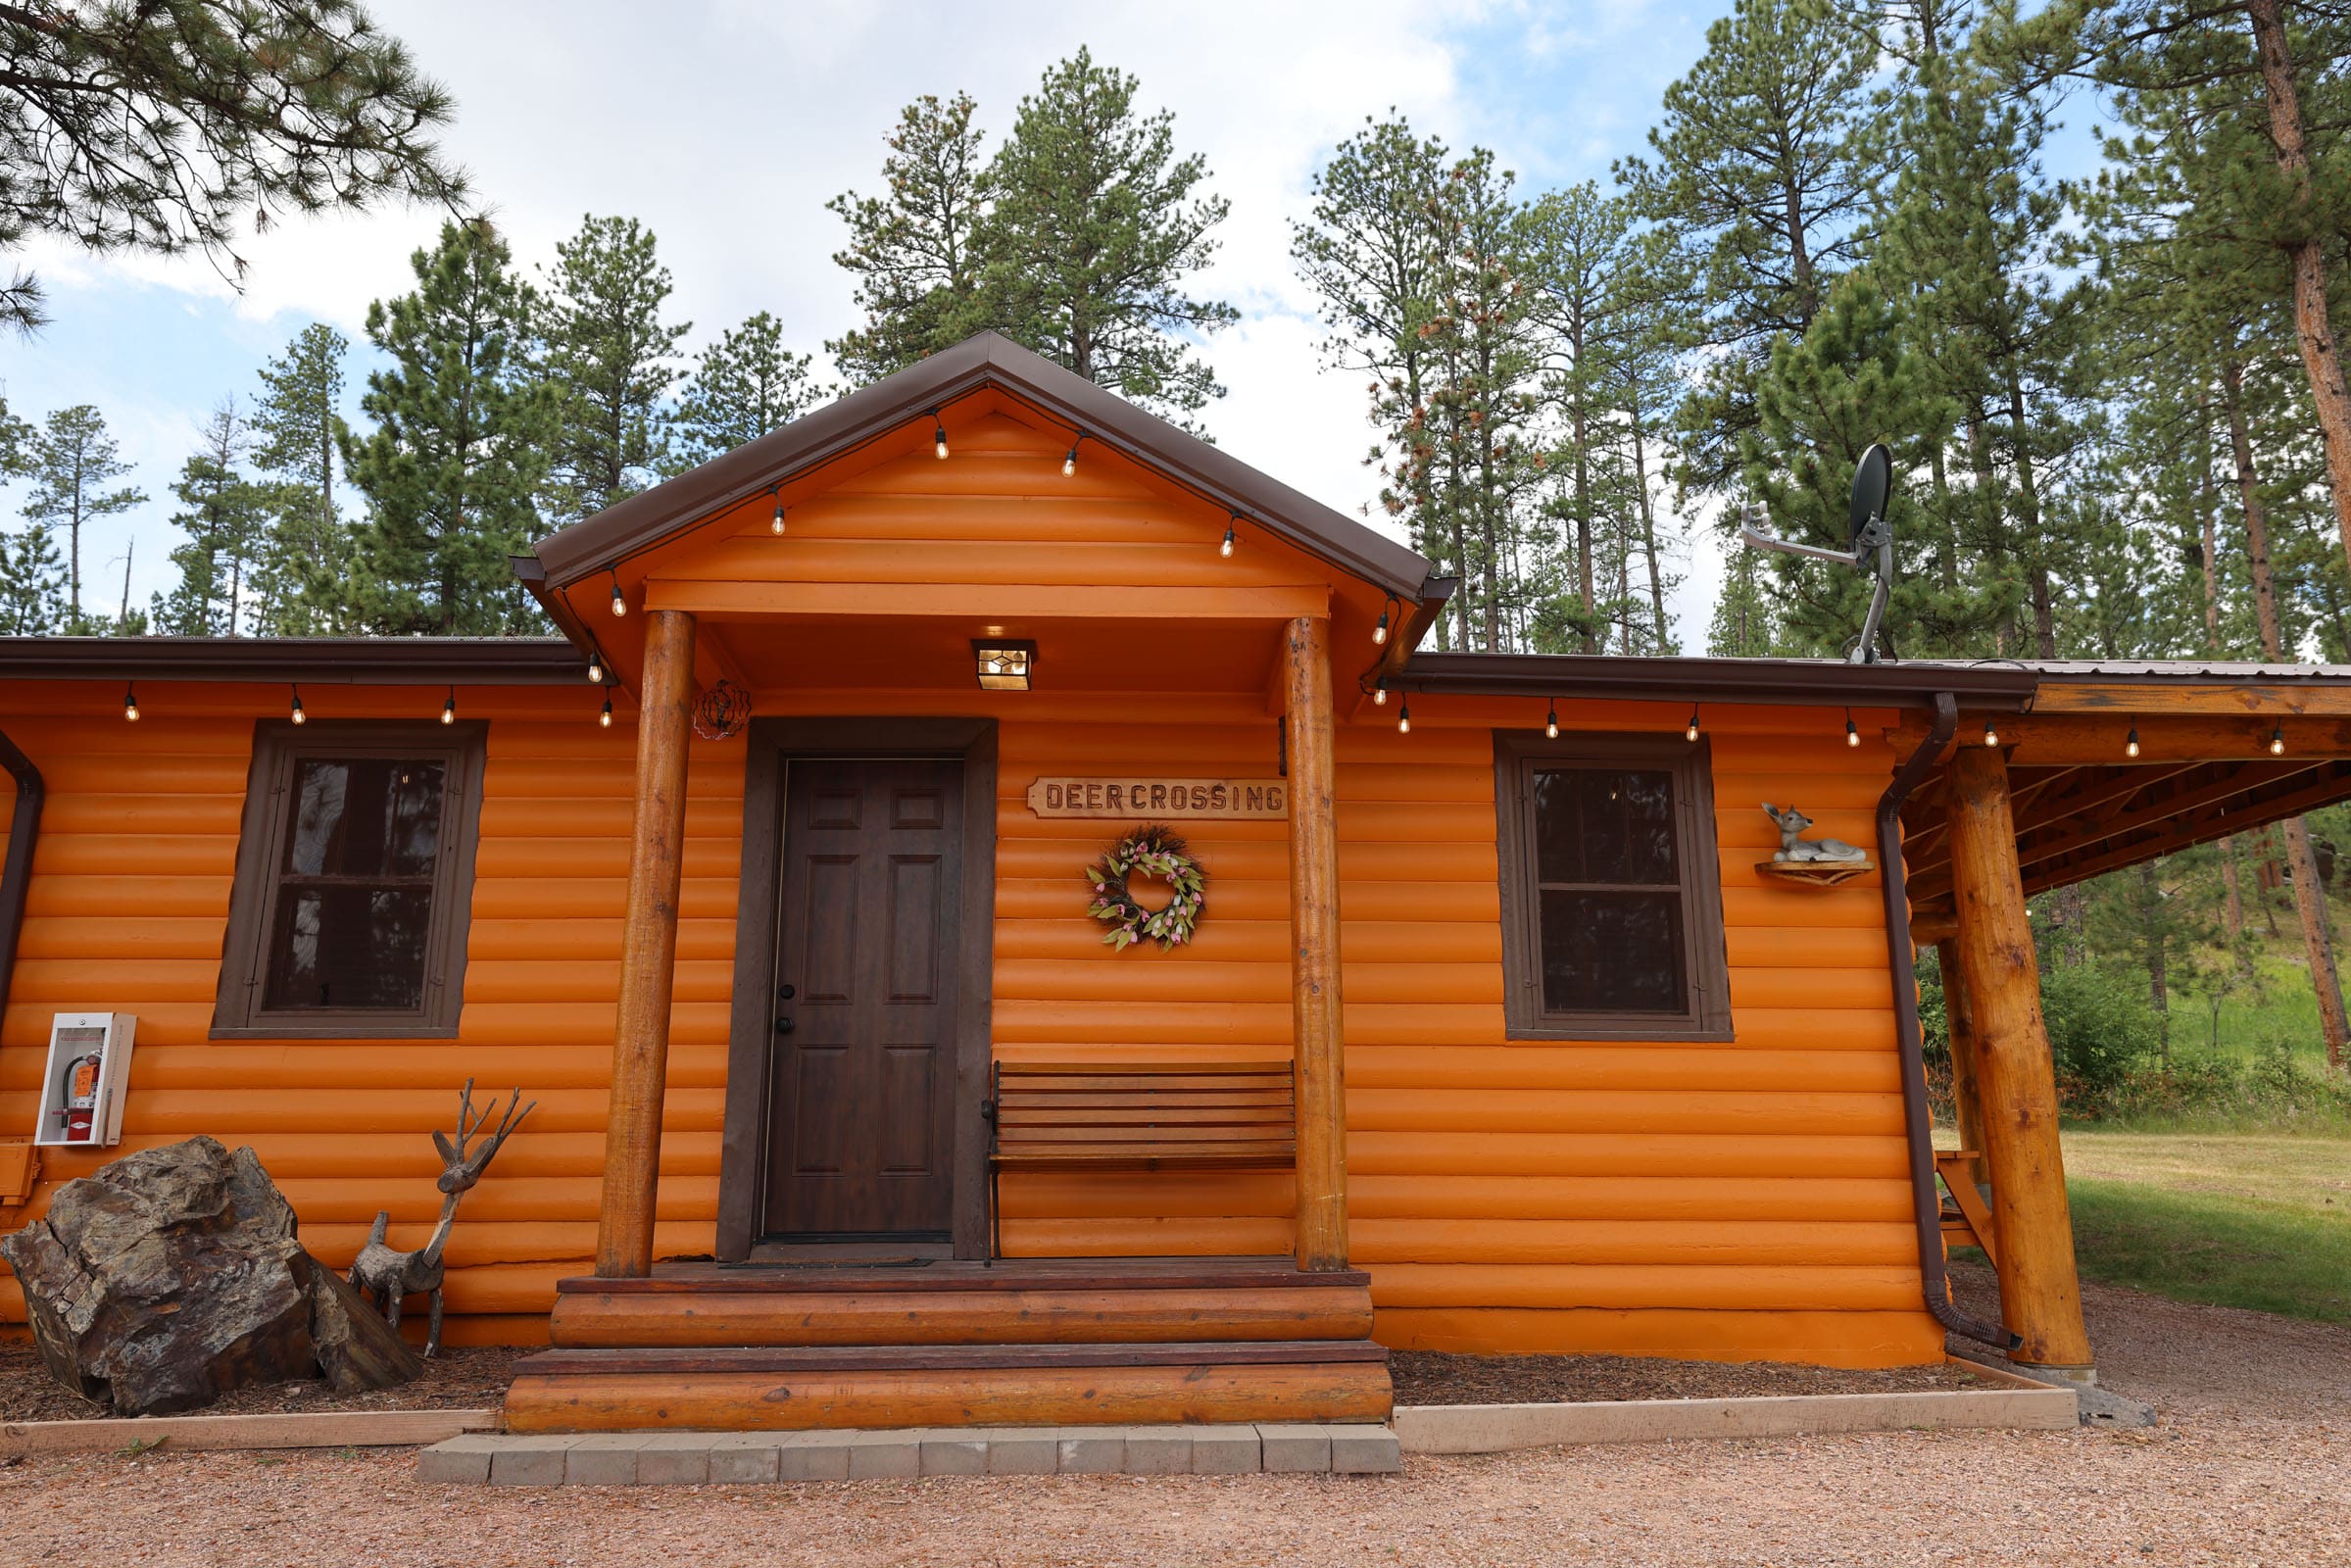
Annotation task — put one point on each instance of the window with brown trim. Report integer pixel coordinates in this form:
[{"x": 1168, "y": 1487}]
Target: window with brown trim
[
  {"x": 1612, "y": 910},
  {"x": 354, "y": 881}
]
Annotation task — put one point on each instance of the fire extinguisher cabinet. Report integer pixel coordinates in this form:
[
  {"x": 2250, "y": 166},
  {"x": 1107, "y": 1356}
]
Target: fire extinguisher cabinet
[{"x": 90, "y": 1069}]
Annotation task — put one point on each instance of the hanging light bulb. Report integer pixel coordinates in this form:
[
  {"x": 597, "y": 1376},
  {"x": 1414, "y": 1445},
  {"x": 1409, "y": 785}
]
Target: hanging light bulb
[
  {"x": 1551, "y": 723},
  {"x": 130, "y": 702},
  {"x": 1379, "y": 631},
  {"x": 449, "y": 708},
  {"x": 298, "y": 715},
  {"x": 776, "y": 524},
  {"x": 2277, "y": 740},
  {"x": 1069, "y": 465},
  {"x": 938, "y": 436},
  {"x": 595, "y": 666},
  {"x": 619, "y": 603},
  {"x": 1379, "y": 695},
  {"x": 1690, "y": 731},
  {"x": 1226, "y": 549},
  {"x": 604, "y": 718},
  {"x": 2131, "y": 743},
  {"x": 1403, "y": 717},
  {"x": 1992, "y": 736},
  {"x": 1852, "y": 735}
]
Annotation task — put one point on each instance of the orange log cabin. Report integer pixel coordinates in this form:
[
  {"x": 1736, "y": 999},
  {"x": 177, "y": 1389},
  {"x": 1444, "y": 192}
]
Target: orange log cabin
[{"x": 1499, "y": 1029}]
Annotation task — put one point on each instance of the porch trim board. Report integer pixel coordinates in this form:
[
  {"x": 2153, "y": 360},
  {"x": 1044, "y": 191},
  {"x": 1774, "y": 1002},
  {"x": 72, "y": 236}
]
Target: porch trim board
[{"x": 744, "y": 1145}]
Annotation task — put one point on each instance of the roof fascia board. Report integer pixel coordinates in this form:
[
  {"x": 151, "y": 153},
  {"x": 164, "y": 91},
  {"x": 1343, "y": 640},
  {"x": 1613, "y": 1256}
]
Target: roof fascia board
[
  {"x": 1822, "y": 683},
  {"x": 319, "y": 661}
]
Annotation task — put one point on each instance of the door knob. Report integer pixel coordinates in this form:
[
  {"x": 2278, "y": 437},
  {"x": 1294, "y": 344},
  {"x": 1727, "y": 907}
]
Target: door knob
[
  {"x": 786, "y": 992},
  {"x": 783, "y": 1026}
]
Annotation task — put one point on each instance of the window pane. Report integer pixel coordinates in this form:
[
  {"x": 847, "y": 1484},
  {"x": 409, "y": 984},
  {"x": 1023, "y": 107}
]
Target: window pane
[
  {"x": 1605, "y": 825},
  {"x": 364, "y": 817},
  {"x": 1612, "y": 953},
  {"x": 350, "y": 947}
]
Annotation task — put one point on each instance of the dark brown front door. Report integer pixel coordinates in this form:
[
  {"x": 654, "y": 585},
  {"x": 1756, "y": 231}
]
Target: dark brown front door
[{"x": 862, "y": 1087}]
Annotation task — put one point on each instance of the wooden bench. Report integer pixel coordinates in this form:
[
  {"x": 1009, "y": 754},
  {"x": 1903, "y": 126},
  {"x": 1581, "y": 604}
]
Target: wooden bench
[{"x": 1168, "y": 1116}]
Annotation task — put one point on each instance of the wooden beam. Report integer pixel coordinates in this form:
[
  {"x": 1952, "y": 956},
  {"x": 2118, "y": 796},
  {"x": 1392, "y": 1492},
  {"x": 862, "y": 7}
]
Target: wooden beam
[
  {"x": 1314, "y": 994},
  {"x": 2042, "y": 739},
  {"x": 1966, "y": 1097},
  {"x": 2228, "y": 698},
  {"x": 632, "y": 1140},
  {"x": 2235, "y": 816},
  {"x": 2041, "y": 1295},
  {"x": 990, "y": 601}
]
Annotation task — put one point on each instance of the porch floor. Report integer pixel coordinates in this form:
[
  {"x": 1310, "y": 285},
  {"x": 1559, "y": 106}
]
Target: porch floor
[{"x": 1024, "y": 1342}]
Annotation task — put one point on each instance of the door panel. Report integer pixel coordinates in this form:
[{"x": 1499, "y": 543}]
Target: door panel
[{"x": 862, "y": 1076}]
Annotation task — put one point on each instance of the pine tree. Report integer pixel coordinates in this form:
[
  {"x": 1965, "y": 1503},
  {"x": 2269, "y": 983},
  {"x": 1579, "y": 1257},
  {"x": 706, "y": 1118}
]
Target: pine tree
[
  {"x": 1095, "y": 225},
  {"x": 73, "y": 460},
  {"x": 226, "y": 518},
  {"x": 913, "y": 251},
  {"x": 458, "y": 450},
  {"x": 1763, "y": 158},
  {"x": 744, "y": 385},
  {"x": 1746, "y": 615},
  {"x": 612, "y": 359},
  {"x": 33, "y": 583},
  {"x": 299, "y": 428}
]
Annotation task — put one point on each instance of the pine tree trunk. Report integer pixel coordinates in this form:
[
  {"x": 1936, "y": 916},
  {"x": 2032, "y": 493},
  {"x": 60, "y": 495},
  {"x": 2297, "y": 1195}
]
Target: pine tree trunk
[
  {"x": 2310, "y": 900},
  {"x": 2314, "y": 334},
  {"x": 2233, "y": 910},
  {"x": 1649, "y": 537},
  {"x": 2044, "y": 613}
]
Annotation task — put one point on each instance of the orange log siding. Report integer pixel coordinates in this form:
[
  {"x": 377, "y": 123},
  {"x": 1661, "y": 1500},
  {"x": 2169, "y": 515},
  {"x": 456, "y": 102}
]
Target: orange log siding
[{"x": 1731, "y": 1199}]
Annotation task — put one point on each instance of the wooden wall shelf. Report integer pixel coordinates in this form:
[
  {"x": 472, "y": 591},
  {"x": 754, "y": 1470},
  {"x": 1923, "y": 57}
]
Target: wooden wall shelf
[{"x": 1815, "y": 873}]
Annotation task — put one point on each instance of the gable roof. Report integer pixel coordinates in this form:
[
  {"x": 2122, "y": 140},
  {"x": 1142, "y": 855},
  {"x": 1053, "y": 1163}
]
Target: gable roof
[{"x": 651, "y": 517}]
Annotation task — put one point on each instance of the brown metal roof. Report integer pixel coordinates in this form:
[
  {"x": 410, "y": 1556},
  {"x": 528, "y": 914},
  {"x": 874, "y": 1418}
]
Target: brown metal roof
[
  {"x": 647, "y": 520},
  {"x": 321, "y": 660},
  {"x": 2004, "y": 686}
]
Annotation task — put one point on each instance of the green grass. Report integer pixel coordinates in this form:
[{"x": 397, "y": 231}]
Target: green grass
[{"x": 2233, "y": 1219}]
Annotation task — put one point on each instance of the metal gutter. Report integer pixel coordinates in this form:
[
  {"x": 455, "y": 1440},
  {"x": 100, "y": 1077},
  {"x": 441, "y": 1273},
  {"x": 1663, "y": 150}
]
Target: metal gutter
[
  {"x": 312, "y": 661},
  {"x": 2004, "y": 688},
  {"x": 1918, "y": 1125},
  {"x": 16, "y": 872}
]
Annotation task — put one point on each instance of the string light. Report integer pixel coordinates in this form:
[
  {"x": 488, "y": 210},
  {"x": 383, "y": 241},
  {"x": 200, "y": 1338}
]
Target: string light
[
  {"x": 1852, "y": 735},
  {"x": 1379, "y": 693},
  {"x": 2131, "y": 745},
  {"x": 1403, "y": 717},
  {"x": 298, "y": 715},
  {"x": 1551, "y": 723},
  {"x": 449, "y": 708},
  {"x": 130, "y": 702},
  {"x": 938, "y": 436},
  {"x": 1069, "y": 465},
  {"x": 1691, "y": 733},
  {"x": 604, "y": 718},
  {"x": 1992, "y": 736},
  {"x": 2277, "y": 740},
  {"x": 776, "y": 524},
  {"x": 595, "y": 663},
  {"x": 1226, "y": 549},
  {"x": 619, "y": 603},
  {"x": 1379, "y": 632}
]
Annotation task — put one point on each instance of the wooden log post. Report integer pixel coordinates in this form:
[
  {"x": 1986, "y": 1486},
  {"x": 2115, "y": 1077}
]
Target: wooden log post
[
  {"x": 632, "y": 1143},
  {"x": 1318, "y": 1044},
  {"x": 2041, "y": 1295},
  {"x": 1965, "y": 1096}
]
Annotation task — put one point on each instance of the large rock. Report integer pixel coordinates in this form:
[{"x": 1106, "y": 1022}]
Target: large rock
[{"x": 173, "y": 1275}]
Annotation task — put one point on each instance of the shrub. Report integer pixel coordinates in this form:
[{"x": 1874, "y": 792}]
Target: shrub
[{"x": 2102, "y": 1031}]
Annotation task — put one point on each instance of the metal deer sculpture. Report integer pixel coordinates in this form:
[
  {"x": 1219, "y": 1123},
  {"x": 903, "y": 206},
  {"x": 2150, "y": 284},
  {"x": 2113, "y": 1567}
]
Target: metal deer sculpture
[{"x": 393, "y": 1276}]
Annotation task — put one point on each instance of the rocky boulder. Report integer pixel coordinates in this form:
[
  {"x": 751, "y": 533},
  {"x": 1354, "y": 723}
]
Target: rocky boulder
[{"x": 173, "y": 1275}]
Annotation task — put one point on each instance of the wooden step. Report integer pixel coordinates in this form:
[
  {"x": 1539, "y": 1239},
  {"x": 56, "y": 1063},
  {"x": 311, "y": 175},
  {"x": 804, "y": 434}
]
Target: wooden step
[
  {"x": 1067, "y": 1304},
  {"x": 831, "y": 1386}
]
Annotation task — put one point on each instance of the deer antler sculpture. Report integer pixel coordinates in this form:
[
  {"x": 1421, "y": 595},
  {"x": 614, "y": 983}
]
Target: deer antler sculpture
[{"x": 393, "y": 1276}]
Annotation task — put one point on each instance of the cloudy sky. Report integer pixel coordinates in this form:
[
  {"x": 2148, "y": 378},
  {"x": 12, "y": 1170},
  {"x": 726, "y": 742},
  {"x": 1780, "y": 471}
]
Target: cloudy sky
[{"x": 726, "y": 124}]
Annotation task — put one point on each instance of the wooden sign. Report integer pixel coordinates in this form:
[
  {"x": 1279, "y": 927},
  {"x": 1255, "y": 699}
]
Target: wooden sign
[{"x": 1168, "y": 799}]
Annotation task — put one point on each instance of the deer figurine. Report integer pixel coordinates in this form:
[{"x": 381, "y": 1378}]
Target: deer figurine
[
  {"x": 1792, "y": 823},
  {"x": 393, "y": 1276}
]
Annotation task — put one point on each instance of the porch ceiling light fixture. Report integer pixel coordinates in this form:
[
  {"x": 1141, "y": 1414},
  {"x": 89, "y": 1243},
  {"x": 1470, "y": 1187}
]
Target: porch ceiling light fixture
[{"x": 1003, "y": 663}]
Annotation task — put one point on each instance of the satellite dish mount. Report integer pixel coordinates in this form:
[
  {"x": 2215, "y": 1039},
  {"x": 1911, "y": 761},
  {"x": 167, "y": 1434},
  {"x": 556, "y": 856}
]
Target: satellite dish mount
[{"x": 1871, "y": 535}]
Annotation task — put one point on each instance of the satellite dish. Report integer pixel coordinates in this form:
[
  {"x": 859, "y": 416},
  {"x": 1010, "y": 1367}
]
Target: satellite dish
[
  {"x": 1871, "y": 549},
  {"x": 1872, "y": 480}
]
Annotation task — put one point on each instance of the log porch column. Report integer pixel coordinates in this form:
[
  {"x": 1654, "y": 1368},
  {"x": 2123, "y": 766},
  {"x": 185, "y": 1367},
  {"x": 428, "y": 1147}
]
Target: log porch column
[
  {"x": 1319, "y": 1045},
  {"x": 2016, "y": 1081},
  {"x": 632, "y": 1143}
]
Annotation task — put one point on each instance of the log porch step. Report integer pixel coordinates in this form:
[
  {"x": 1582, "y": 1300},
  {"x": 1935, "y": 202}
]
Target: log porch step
[
  {"x": 744, "y": 1389},
  {"x": 1016, "y": 1303}
]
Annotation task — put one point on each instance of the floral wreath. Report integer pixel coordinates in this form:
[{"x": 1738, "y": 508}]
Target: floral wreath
[{"x": 1154, "y": 851}]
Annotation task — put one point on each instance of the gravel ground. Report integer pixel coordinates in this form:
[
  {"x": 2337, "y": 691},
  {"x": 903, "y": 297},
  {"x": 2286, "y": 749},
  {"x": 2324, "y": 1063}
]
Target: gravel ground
[
  {"x": 1428, "y": 1377},
  {"x": 460, "y": 1378},
  {"x": 2251, "y": 1466}
]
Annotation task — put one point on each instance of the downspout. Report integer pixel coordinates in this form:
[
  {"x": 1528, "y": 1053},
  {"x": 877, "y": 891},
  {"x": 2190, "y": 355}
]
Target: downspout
[
  {"x": 1917, "y": 1124},
  {"x": 16, "y": 872}
]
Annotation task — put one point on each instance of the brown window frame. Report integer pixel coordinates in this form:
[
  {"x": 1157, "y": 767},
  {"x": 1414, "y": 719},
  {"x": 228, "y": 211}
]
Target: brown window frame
[
  {"x": 278, "y": 745},
  {"x": 1706, "y": 978}
]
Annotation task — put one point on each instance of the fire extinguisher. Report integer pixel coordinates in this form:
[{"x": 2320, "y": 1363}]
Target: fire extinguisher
[{"x": 80, "y": 1112}]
